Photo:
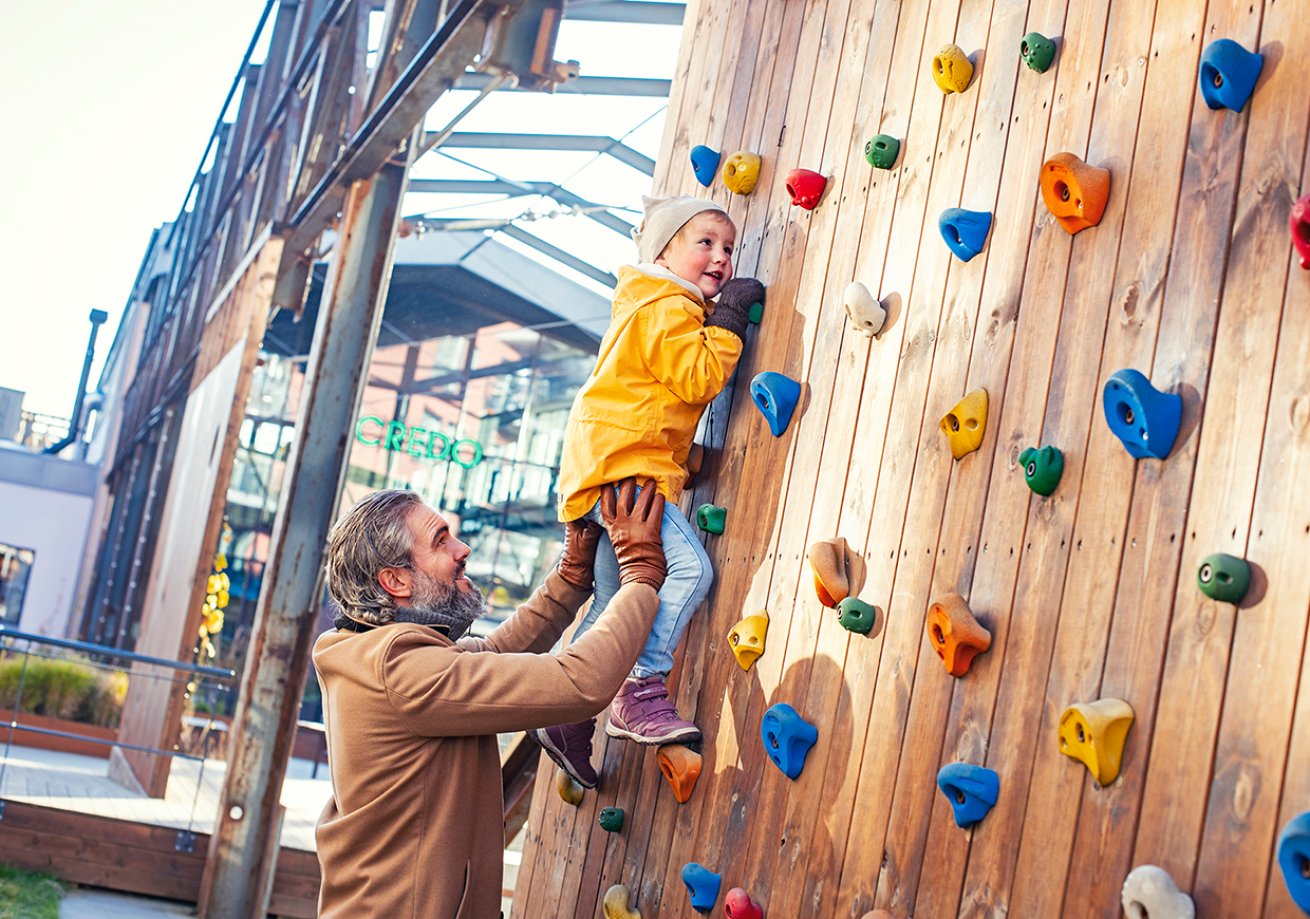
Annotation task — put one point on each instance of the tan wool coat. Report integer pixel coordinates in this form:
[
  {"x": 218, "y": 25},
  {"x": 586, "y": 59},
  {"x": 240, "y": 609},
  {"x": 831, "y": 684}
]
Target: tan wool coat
[{"x": 415, "y": 825}]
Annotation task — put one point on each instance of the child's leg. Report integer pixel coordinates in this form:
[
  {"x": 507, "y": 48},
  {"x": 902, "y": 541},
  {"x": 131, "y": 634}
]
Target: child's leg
[
  {"x": 642, "y": 710},
  {"x": 686, "y": 586}
]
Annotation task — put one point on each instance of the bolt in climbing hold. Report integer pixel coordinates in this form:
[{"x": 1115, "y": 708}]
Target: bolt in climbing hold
[
  {"x": 965, "y": 425},
  {"x": 775, "y": 395},
  {"x": 955, "y": 634},
  {"x": 1294, "y": 859},
  {"x": 805, "y": 186},
  {"x": 881, "y": 151},
  {"x": 702, "y": 886},
  {"x": 1228, "y": 74},
  {"x": 951, "y": 69},
  {"x": 965, "y": 232},
  {"x": 1225, "y": 578},
  {"x": 1042, "y": 468},
  {"x": 611, "y": 819},
  {"x": 741, "y": 171},
  {"x": 1093, "y": 733},
  {"x": 863, "y": 309},
  {"x": 1149, "y": 891},
  {"x": 971, "y": 791},
  {"x": 1143, "y": 418},
  {"x": 704, "y": 162},
  {"x": 1038, "y": 51},
  {"x": 857, "y": 616},
  {"x": 1074, "y": 192},
  {"x": 747, "y": 639},
  {"x": 711, "y": 518},
  {"x": 681, "y": 768},
  {"x": 787, "y": 738}
]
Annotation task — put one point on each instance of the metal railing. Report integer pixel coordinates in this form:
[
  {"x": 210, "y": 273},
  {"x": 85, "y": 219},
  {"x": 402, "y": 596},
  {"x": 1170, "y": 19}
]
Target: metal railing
[{"x": 199, "y": 680}]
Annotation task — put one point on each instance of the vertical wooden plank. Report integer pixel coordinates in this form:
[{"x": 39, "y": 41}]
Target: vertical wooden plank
[
  {"x": 1233, "y": 420},
  {"x": 1147, "y": 577}
]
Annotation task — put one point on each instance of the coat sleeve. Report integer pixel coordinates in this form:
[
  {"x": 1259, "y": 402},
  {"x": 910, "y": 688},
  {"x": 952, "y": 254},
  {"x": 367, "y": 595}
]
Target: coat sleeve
[
  {"x": 538, "y": 623},
  {"x": 440, "y": 690},
  {"x": 694, "y": 361}
]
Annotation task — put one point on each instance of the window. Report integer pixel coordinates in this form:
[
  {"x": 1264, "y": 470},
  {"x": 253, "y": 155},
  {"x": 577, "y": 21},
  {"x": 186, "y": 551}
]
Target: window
[{"x": 15, "y": 566}]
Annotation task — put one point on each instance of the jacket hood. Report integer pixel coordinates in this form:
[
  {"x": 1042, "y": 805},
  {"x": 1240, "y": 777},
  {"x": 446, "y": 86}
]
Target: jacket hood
[{"x": 648, "y": 282}]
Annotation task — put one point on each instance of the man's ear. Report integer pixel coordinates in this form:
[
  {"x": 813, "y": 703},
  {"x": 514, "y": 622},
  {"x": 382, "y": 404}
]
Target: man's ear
[{"x": 397, "y": 582}]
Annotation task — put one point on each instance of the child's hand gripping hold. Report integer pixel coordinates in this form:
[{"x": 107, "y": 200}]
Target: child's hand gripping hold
[{"x": 732, "y": 311}]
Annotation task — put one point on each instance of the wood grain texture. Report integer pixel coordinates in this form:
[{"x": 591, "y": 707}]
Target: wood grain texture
[{"x": 1089, "y": 592}]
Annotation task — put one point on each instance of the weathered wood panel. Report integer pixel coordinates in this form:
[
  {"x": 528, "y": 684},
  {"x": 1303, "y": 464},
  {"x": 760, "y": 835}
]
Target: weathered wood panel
[{"x": 1088, "y": 593}]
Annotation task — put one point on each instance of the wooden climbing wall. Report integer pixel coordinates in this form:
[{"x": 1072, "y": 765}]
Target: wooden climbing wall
[{"x": 1190, "y": 277}]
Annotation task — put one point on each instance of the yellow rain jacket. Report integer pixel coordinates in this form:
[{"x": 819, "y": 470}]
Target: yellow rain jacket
[{"x": 658, "y": 367}]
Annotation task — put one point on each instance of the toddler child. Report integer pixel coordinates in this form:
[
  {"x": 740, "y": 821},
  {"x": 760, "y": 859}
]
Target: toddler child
[{"x": 668, "y": 352}]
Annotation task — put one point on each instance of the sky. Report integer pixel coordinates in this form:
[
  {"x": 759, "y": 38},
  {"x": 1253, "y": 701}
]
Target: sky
[{"x": 110, "y": 104}]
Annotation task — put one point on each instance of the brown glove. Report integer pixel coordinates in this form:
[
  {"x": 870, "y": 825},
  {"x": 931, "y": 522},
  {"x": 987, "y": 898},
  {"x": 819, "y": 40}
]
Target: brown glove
[
  {"x": 634, "y": 522},
  {"x": 577, "y": 564}
]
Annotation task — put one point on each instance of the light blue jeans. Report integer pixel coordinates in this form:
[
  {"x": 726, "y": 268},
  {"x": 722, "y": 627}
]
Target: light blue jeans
[{"x": 685, "y": 588}]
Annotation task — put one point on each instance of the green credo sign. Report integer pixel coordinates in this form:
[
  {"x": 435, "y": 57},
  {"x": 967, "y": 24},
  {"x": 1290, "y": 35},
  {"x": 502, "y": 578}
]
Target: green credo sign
[{"x": 415, "y": 441}]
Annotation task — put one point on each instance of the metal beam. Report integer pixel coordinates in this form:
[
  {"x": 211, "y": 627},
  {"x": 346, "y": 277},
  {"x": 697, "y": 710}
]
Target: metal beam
[
  {"x": 627, "y": 11},
  {"x": 559, "y": 255},
  {"x": 518, "y": 189},
  {"x": 450, "y": 49},
  {"x": 584, "y": 142},
  {"x": 589, "y": 86}
]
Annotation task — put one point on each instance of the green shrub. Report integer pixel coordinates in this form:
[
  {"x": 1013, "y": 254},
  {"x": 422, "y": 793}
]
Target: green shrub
[
  {"x": 27, "y": 895},
  {"x": 63, "y": 689}
]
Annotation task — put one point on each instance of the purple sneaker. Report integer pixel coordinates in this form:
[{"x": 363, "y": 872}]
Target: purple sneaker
[
  {"x": 569, "y": 747},
  {"x": 642, "y": 712}
]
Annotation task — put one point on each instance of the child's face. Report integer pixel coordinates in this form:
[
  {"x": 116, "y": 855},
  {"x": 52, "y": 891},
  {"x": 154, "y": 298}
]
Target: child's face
[{"x": 701, "y": 252}]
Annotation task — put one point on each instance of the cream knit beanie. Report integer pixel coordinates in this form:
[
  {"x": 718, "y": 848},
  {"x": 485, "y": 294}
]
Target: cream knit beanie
[{"x": 664, "y": 217}]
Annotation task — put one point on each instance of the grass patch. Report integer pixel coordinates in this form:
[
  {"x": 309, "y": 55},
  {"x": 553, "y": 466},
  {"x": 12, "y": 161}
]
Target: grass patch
[{"x": 27, "y": 895}]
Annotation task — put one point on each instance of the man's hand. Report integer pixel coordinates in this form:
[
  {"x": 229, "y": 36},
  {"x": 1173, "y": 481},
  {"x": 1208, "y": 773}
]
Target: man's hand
[
  {"x": 577, "y": 564},
  {"x": 634, "y": 522},
  {"x": 732, "y": 309}
]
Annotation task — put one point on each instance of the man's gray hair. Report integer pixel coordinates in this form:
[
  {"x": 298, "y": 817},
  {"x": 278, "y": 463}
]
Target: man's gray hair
[{"x": 374, "y": 535}]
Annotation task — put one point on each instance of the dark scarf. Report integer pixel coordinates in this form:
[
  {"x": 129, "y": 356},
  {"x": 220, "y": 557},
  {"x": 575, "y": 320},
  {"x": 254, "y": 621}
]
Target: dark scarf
[{"x": 449, "y": 626}]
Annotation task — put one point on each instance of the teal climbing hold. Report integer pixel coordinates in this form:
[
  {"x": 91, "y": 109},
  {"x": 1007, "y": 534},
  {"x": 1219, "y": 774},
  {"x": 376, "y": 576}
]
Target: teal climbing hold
[
  {"x": 1042, "y": 468},
  {"x": 711, "y": 518}
]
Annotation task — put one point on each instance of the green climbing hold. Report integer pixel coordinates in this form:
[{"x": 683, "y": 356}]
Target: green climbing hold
[
  {"x": 756, "y": 313},
  {"x": 711, "y": 518},
  {"x": 1038, "y": 51},
  {"x": 881, "y": 151},
  {"x": 611, "y": 819},
  {"x": 857, "y": 616},
  {"x": 1042, "y": 468},
  {"x": 1225, "y": 578}
]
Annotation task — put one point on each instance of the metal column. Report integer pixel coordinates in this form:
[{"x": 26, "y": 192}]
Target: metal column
[{"x": 242, "y": 852}]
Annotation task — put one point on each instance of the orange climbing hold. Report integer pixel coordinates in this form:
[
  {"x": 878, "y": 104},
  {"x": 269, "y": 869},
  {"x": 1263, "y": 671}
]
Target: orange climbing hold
[
  {"x": 1074, "y": 192},
  {"x": 955, "y": 634},
  {"x": 681, "y": 766},
  {"x": 838, "y": 570}
]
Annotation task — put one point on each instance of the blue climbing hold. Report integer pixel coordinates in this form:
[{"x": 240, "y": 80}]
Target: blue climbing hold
[
  {"x": 1228, "y": 74},
  {"x": 972, "y": 790},
  {"x": 787, "y": 738},
  {"x": 1141, "y": 416},
  {"x": 705, "y": 163},
  {"x": 964, "y": 231},
  {"x": 702, "y": 886},
  {"x": 776, "y": 396},
  {"x": 1294, "y": 859}
]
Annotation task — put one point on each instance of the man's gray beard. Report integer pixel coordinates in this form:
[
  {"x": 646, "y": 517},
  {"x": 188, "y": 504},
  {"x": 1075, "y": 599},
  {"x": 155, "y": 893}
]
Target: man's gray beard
[{"x": 447, "y": 603}]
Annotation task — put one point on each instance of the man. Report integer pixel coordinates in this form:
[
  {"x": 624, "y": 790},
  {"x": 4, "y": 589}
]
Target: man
[{"x": 415, "y": 826}]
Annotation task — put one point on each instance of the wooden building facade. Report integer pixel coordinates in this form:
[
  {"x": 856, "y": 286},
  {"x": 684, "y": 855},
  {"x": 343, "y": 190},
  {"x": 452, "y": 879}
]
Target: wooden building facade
[{"x": 1190, "y": 277}]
